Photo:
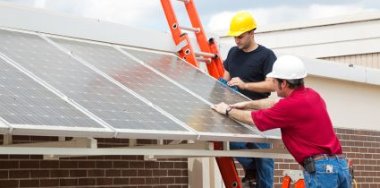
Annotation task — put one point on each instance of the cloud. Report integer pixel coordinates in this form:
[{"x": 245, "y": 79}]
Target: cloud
[
  {"x": 138, "y": 13},
  {"x": 219, "y": 23},
  {"x": 39, "y": 3},
  {"x": 122, "y": 11},
  {"x": 323, "y": 11},
  {"x": 149, "y": 14}
]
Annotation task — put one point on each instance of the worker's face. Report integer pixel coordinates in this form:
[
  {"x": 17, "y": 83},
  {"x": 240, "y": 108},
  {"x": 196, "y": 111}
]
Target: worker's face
[
  {"x": 244, "y": 40},
  {"x": 279, "y": 86}
]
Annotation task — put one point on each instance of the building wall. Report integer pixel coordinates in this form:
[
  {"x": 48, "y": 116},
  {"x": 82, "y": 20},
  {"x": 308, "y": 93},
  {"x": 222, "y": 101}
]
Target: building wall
[
  {"x": 343, "y": 40},
  {"x": 133, "y": 171},
  {"x": 362, "y": 146},
  {"x": 371, "y": 60},
  {"x": 99, "y": 171}
]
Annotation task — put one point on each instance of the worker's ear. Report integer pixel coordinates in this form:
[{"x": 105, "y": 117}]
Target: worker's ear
[{"x": 283, "y": 84}]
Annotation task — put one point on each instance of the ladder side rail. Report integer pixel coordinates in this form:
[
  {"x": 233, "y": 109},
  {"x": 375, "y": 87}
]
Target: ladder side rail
[
  {"x": 227, "y": 169},
  {"x": 226, "y": 164},
  {"x": 201, "y": 37},
  {"x": 196, "y": 24},
  {"x": 218, "y": 60},
  {"x": 187, "y": 52}
]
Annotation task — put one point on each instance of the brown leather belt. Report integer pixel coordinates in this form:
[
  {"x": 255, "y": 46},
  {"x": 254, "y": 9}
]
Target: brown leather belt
[{"x": 328, "y": 156}]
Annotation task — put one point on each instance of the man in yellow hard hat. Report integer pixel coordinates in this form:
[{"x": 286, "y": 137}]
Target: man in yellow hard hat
[
  {"x": 246, "y": 67},
  {"x": 306, "y": 129}
]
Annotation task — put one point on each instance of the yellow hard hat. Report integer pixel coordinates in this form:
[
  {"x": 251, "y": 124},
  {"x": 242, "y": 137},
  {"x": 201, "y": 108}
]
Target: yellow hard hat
[{"x": 241, "y": 23}]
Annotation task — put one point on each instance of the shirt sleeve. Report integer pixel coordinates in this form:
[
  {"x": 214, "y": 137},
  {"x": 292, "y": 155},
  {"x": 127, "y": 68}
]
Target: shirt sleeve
[
  {"x": 227, "y": 61},
  {"x": 269, "y": 61},
  {"x": 271, "y": 118}
]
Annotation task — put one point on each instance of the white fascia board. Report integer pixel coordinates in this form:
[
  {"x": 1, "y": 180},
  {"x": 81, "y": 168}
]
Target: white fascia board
[
  {"x": 321, "y": 50},
  {"x": 315, "y": 23},
  {"x": 320, "y": 35},
  {"x": 343, "y": 48},
  {"x": 38, "y": 20},
  {"x": 38, "y": 130},
  {"x": 357, "y": 17},
  {"x": 336, "y": 38},
  {"x": 373, "y": 76},
  {"x": 270, "y": 153},
  {"x": 328, "y": 69},
  {"x": 322, "y": 68}
]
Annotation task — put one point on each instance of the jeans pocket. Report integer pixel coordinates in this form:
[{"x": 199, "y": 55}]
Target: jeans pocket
[
  {"x": 321, "y": 179},
  {"x": 324, "y": 179}
]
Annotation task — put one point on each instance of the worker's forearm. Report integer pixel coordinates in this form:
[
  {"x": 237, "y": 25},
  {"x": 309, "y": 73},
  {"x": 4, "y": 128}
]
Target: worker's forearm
[
  {"x": 260, "y": 87},
  {"x": 260, "y": 104},
  {"x": 226, "y": 75},
  {"x": 243, "y": 116}
]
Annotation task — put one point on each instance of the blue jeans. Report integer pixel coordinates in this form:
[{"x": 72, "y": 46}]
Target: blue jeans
[
  {"x": 330, "y": 172},
  {"x": 264, "y": 167}
]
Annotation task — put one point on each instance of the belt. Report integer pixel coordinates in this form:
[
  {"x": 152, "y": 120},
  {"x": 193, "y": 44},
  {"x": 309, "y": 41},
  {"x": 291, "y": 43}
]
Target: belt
[
  {"x": 328, "y": 156},
  {"x": 309, "y": 162}
]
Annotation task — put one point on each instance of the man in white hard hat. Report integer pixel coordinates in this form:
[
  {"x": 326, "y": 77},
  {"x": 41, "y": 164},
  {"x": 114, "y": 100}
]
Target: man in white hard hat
[
  {"x": 246, "y": 67},
  {"x": 306, "y": 128}
]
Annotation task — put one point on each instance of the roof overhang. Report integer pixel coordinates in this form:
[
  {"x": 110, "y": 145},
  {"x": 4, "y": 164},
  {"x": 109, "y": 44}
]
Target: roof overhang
[{"x": 329, "y": 37}]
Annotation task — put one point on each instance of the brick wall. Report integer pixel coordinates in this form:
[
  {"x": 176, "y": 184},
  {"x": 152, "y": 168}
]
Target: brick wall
[
  {"x": 363, "y": 147},
  {"x": 99, "y": 171},
  {"x": 112, "y": 171},
  {"x": 132, "y": 171}
]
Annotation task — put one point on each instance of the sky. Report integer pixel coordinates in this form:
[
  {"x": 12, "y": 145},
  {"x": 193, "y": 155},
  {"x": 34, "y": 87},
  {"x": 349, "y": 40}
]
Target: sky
[{"x": 215, "y": 14}]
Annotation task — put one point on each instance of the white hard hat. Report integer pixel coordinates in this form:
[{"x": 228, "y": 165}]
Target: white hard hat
[{"x": 288, "y": 67}]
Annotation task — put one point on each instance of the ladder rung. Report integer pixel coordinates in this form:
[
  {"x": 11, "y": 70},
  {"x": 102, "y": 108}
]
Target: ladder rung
[
  {"x": 196, "y": 30},
  {"x": 185, "y": 1},
  {"x": 204, "y": 54},
  {"x": 182, "y": 44},
  {"x": 206, "y": 60}
]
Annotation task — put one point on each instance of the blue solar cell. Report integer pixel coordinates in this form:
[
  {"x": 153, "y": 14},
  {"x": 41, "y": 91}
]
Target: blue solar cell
[
  {"x": 103, "y": 98},
  {"x": 25, "y": 102},
  {"x": 195, "y": 80},
  {"x": 179, "y": 103}
]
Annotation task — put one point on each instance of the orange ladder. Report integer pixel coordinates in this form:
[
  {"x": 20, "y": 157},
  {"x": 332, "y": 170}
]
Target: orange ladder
[
  {"x": 295, "y": 176},
  {"x": 210, "y": 54},
  {"x": 209, "y": 51}
]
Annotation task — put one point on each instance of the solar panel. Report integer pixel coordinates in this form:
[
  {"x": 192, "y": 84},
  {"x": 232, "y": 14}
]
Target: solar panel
[
  {"x": 3, "y": 127},
  {"x": 178, "y": 102},
  {"x": 26, "y": 105},
  {"x": 119, "y": 108},
  {"x": 195, "y": 80}
]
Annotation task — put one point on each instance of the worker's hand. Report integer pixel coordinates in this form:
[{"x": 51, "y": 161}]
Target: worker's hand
[
  {"x": 236, "y": 81},
  {"x": 241, "y": 105},
  {"x": 221, "y": 107}
]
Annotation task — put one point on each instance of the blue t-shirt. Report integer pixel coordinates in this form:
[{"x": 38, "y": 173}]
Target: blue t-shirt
[{"x": 250, "y": 67}]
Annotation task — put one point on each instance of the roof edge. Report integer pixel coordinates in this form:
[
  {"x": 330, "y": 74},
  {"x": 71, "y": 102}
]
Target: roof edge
[
  {"x": 342, "y": 71},
  {"x": 44, "y": 21},
  {"x": 352, "y": 18}
]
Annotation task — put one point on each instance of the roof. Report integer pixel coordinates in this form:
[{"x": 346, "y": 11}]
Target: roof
[
  {"x": 322, "y": 22},
  {"x": 347, "y": 72},
  {"x": 357, "y": 17}
]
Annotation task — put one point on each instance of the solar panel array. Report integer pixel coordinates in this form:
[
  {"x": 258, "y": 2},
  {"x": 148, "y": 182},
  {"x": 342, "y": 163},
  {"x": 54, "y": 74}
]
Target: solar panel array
[{"x": 82, "y": 87}]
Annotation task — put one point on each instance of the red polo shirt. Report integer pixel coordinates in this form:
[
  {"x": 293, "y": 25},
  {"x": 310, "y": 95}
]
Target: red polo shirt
[{"x": 306, "y": 127}]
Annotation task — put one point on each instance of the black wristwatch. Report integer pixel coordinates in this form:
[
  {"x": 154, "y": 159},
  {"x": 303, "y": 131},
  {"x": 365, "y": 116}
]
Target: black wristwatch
[{"x": 228, "y": 110}]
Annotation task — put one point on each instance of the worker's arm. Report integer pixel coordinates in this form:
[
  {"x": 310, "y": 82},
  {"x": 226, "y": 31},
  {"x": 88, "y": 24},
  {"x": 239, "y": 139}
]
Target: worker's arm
[
  {"x": 226, "y": 75},
  {"x": 243, "y": 116},
  {"x": 260, "y": 87},
  {"x": 255, "y": 104}
]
